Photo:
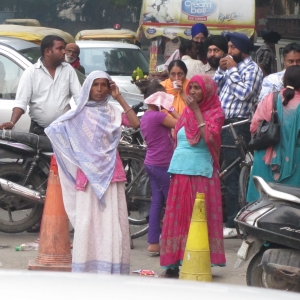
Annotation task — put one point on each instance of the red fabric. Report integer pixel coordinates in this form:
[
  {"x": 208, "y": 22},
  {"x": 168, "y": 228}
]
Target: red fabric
[
  {"x": 212, "y": 113},
  {"x": 76, "y": 64},
  {"x": 179, "y": 208}
]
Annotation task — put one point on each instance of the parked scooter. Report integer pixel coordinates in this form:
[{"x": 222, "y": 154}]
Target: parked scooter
[
  {"x": 270, "y": 228},
  {"x": 24, "y": 168}
]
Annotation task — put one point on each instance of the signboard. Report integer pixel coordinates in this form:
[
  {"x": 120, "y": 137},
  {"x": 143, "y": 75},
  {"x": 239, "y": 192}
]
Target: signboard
[{"x": 171, "y": 18}]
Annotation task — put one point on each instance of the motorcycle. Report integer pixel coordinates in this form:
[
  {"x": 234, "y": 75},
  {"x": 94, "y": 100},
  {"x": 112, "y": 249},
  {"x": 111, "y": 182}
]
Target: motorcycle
[
  {"x": 24, "y": 168},
  {"x": 270, "y": 228}
]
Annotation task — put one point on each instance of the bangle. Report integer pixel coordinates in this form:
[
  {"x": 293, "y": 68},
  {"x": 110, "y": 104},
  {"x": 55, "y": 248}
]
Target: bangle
[
  {"x": 171, "y": 109},
  {"x": 12, "y": 124},
  {"x": 117, "y": 95},
  {"x": 201, "y": 125},
  {"x": 129, "y": 109}
]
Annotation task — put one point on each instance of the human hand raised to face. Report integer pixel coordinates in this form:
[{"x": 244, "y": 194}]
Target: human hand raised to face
[
  {"x": 114, "y": 89},
  {"x": 223, "y": 64},
  {"x": 179, "y": 86},
  {"x": 230, "y": 62},
  {"x": 192, "y": 103}
]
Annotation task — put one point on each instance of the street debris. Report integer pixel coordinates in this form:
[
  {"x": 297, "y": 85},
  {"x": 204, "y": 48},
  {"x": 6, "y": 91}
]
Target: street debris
[
  {"x": 144, "y": 272},
  {"x": 28, "y": 246}
]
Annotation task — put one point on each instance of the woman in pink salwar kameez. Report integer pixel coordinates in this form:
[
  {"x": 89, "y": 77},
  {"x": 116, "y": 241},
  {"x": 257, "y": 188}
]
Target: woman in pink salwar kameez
[{"x": 194, "y": 169}]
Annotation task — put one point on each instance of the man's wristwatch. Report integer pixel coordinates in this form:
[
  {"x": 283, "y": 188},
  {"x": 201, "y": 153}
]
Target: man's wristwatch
[{"x": 171, "y": 109}]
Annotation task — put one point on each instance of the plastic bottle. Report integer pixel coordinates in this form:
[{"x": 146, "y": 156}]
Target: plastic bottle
[{"x": 27, "y": 246}]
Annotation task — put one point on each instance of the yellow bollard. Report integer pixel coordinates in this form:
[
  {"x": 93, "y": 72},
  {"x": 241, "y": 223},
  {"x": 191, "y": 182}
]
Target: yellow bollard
[{"x": 196, "y": 261}]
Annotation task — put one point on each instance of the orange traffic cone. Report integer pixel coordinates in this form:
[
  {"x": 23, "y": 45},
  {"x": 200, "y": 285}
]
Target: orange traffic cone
[{"x": 54, "y": 249}]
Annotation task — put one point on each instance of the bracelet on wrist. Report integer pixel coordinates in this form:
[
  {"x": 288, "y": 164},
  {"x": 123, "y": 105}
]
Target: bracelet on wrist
[
  {"x": 12, "y": 124},
  {"x": 201, "y": 125},
  {"x": 171, "y": 109},
  {"x": 129, "y": 109}
]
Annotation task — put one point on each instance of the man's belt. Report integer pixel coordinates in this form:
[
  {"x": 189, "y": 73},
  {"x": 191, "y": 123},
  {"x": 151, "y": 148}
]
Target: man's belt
[{"x": 36, "y": 128}]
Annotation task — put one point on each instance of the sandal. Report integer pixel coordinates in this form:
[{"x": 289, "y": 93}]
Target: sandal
[{"x": 153, "y": 249}]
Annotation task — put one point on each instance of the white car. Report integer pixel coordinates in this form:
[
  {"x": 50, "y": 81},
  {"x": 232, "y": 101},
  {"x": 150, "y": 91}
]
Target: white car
[
  {"x": 16, "y": 55},
  {"x": 118, "y": 59},
  {"x": 35, "y": 285}
]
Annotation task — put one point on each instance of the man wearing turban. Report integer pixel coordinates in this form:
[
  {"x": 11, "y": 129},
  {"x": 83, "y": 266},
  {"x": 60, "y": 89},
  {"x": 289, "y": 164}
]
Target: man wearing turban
[
  {"x": 239, "y": 81},
  {"x": 199, "y": 33},
  {"x": 216, "y": 47},
  {"x": 265, "y": 55},
  {"x": 72, "y": 57}
]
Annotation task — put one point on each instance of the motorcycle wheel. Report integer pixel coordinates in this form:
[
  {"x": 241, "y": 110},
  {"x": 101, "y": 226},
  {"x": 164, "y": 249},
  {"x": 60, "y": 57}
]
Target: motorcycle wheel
[
  {"x": 18, "y": 214},
  {"x": 243, "y": 184},
  {"x": 257, "y": 277},
  {"x": 138, "y": 209}
]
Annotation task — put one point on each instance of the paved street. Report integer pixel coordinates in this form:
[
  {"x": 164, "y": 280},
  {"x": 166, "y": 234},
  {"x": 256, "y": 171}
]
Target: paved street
[{"x": 11, "y": 259}]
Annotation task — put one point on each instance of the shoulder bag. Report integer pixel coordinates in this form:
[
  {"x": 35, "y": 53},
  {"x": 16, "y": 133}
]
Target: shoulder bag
[{"x": 268, "y": 133}]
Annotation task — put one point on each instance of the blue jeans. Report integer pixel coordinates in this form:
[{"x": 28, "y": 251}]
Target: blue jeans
[
  {"x": 160, "y": 183},
  {"x": 231, "y": 181}
]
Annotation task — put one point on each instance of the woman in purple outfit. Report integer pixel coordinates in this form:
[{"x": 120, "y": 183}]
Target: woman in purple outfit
[{"x": 156, "y": 128}]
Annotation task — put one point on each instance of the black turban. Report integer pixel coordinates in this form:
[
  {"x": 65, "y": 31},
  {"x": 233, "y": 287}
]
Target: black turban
[
  {"x": 271, "y": 37},
  {"x": 218, "y": 41}
]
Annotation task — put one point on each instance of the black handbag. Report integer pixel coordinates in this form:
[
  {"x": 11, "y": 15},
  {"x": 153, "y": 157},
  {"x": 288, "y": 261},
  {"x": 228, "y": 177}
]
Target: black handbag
[{"x": 268, "y": 133}]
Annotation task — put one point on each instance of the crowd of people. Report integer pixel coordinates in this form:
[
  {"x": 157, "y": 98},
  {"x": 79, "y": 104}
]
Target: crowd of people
[{"x": 182, "y": 128}]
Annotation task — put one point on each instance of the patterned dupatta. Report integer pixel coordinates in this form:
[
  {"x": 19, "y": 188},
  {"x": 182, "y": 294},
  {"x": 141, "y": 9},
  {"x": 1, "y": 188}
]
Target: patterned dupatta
[
  {"x": 87, "y": 137},
  {"x": 212, "y": 113}
]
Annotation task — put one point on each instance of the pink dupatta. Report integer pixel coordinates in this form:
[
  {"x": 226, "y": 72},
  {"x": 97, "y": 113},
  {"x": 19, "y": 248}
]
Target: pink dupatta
[{"x": 212, "y": 113}]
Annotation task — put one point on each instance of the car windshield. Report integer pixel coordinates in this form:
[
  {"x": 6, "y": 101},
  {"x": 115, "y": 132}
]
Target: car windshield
[
  {"x": 114, "y": 61},
  {"x": 32, "y": 54}
]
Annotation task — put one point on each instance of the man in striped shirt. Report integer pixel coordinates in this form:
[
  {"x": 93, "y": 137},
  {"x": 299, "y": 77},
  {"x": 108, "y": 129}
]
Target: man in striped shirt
[{"x": 239, "y": 81}]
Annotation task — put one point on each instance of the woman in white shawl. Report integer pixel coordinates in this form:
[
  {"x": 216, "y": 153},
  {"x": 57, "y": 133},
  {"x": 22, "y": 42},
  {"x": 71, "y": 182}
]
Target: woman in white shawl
[{"x": 92, "y": 177}]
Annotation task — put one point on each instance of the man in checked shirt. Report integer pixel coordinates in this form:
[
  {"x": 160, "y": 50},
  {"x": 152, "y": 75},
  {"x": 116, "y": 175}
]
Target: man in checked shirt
[{"x": 239, "y": 80}]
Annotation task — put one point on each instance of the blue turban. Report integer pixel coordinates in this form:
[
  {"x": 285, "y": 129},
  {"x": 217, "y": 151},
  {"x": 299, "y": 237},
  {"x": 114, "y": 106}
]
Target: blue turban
[
  {"x": 240, "y": 41},
  {"x": 199, "y": 28}
]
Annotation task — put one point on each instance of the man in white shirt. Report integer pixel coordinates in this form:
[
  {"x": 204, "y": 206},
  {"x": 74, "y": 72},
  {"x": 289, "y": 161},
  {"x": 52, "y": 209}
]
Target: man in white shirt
[
  {"x": 274, "y": 82},
  {"x": 188, "y": 51},
  {"x": 46, "y": 87}
]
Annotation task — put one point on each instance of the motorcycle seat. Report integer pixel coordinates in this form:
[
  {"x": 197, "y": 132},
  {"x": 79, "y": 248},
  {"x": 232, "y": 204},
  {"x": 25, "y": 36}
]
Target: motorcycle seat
[
  {"x": 285, "y": 189},
  {"x": 30, "y": 139}
]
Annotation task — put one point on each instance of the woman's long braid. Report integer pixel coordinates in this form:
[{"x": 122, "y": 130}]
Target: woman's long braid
[{"x": 288, "y": 94}]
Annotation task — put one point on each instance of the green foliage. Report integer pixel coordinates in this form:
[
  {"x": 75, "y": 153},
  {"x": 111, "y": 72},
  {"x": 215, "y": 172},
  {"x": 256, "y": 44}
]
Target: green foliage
[
  {"x": 106, "y": 13},
  {"x": 101, "y": 12}
]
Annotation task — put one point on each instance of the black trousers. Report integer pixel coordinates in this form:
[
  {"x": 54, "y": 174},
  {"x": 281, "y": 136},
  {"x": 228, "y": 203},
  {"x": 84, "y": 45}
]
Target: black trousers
[{"x": 36, "y": 128}]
